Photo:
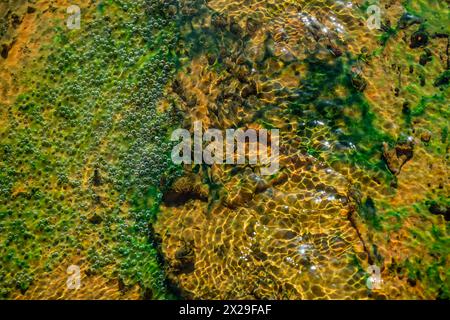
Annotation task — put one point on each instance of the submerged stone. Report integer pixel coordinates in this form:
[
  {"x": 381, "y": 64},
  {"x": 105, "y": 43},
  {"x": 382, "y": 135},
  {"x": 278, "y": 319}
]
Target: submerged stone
[
  {"x": 425, "y": 57},
  {"x": 407, "y": 20},
  {"x": 440, "y": 209},
  {"x": 396, "y": 157},
  {"x": 358, "y": 81},
  {"x": 443, "y": 79}
]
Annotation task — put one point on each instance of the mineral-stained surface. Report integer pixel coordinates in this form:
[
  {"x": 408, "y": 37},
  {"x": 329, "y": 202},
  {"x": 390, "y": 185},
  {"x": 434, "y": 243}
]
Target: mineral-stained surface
[{"x": 86, "y": 177}]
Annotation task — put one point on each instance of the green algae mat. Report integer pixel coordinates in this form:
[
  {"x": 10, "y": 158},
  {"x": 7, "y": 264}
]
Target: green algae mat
[{"x": 352, "y": 95}]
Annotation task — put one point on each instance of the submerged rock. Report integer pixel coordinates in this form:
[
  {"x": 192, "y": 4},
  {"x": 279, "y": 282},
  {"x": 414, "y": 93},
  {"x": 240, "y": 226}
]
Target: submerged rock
[
  {"x": 397, "y": 157},
  {"x": 426, "y": 136},
  {"x": 95, "y": 219},
  {"x": 419, "y": 39},
  {"x": 97, "y": 179},
  {"x": 184, "y": 259},
  {"x": 219, "y": 21},
  {"x": 437, "y": 209},
  {"x": 185, "y": 189},
  {"x": 4, "y": 52},
  {"x": 358, "y": 81},
  {"x": 407, "y": 20}
]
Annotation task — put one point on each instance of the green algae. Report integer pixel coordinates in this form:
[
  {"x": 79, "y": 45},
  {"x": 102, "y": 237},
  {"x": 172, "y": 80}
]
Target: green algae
[{"x": 142, "y": 262}]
